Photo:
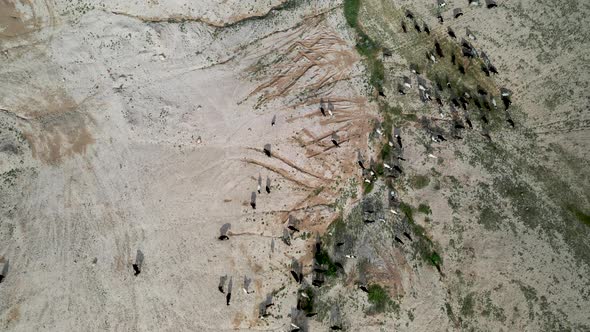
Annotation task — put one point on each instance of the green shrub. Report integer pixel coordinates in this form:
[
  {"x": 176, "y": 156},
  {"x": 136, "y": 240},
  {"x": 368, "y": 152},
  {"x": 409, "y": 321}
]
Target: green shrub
[
  {"x": 581, "y": 216},
  {"x": 385, "y": 152},
  {"x": 419, "y": 181},
  {"x": 424, "y": 208},
  {"x": 408, "y": 210},
  {"x": 323, "y": 258},
  {"x": 307, "y": 302},
  {"x": 351, "y": 11},
  {"x": 435, "y": 259},
  {"x": 467, "y": 305},
  {"x": 368, "y": 187},
  {"x": 379, "y": 298},
  {"x": 366, "y": 46}
]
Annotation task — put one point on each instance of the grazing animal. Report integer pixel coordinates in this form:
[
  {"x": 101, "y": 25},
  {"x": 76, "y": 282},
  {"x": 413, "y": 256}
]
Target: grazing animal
[
  {"x": 438, "y": 49},
  {"x": 246, "y": 288},
  {"x": 266, "y": 150},
  {"x": 335, "y": 139},
  {"x": 330, "y": 108},
  {"x": 451, "y": 33},
  {"x": 223, "y": 232},
  {"x": 408, "y": 236},
  {"x": 360, "y": 160},
  {"x": 229, "y": 289},
  {"x": 138, "y": 262},
  {"x": 4, "y": 271},
  {"x": 510, "y": 122},
  {"x": 507, "y": 102},
  {"x": 253, "y": 200},
  {"x": 417, "y": 27},
  {"x": 222, "y": 281},
  {"x": 259, "y": 183}
]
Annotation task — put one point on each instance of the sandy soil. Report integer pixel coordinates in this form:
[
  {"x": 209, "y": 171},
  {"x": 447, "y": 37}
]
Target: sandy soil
[{"x": 143, "y": 129}]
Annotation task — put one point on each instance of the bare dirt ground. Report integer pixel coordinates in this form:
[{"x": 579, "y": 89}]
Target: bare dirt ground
[
  {"x": 122, "y": 132},
  {"x": 127, "y": 126}
]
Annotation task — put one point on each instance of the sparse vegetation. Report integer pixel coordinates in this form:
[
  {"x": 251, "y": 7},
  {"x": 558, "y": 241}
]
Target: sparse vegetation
[
  {"x": 318, "y": 190},
  {"x": 408, "y": 210},
  {"x": 537, "y": 196},
  {"x": 385, "y": 152},
  {"x": 323, "y": 258},
  {"x": 489, "y": 309},
  {"x": 490, "y": 218},
  {"x": 366, "y": 46},
  {"x": 424, "y": 208},
  {"x": 351, "y": 11},
  {"x": 368, "y": 187},
  {"x": 411, "y": 315},
  {"x": 435, "y": 259},
  {"x": 468, "y": 305},
  {"x": 419, "y": 182},
  {"x": 10, "y": 177},
  {"x": 449, "y": 311},
  {"x": 514, "y": 186},
  {"x": 581, "y": 216},
  {"x": 307, "y": 302}
]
